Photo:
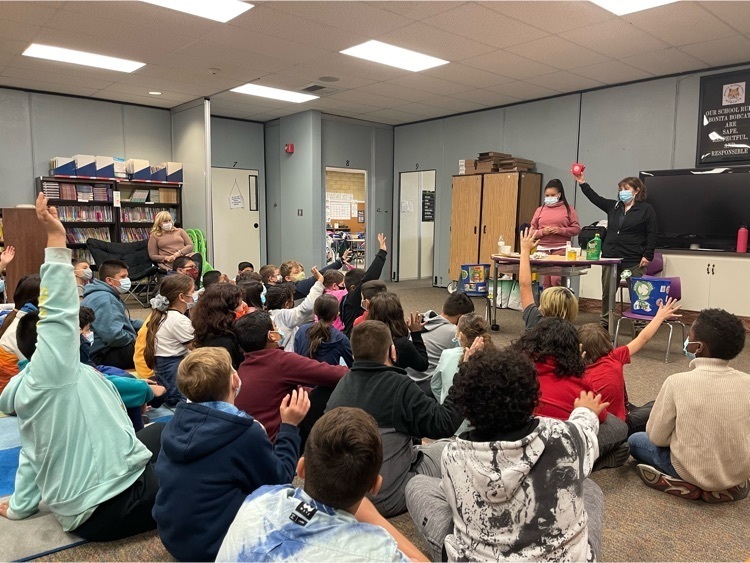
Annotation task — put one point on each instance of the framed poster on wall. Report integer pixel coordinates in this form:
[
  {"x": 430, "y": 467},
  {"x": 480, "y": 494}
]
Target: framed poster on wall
[{"x": 724, "y": 128}]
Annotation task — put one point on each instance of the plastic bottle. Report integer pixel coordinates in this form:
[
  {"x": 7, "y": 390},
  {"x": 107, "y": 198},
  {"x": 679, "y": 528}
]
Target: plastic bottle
[
  {"x": 594, "y": 248},
  {"x": 500, "y": 244},
  {"x": 742, "y": 239}
]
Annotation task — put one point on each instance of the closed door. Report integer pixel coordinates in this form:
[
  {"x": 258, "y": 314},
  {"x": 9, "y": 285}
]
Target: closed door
[
  {"x": 236, "y": 218},
  {"x": 465, "y": 214},
  {"x": 499, "y": 200},
  {"x": 416, "y": 229},
  {"x": 728, "y": 280},
  {"x": 694, "y": 272}
]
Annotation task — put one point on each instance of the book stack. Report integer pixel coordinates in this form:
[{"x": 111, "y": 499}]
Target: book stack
[
  {"x": 516, "y": 165},
  {"x": 167, "y": 195},
  {"x": 153, "y": 196},
  {"x": 102, "y": 192},
  {"x": 51, "y": 190},
  {"x": 139, "y": 196},
  {"x": 68, "y": 192},
  {"x": 489, "y": 161},
  {"x": 83, "y": 254},
  {"x": 85, "y": 192},
  {"x": 139, "y": 214}
]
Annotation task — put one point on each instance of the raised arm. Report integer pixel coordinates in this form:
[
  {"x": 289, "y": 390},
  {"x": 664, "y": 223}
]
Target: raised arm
[
  {"x": 300, "y": 314},
  {"x": 666, "y": 311},
  {"x": 528, "y": 240}
]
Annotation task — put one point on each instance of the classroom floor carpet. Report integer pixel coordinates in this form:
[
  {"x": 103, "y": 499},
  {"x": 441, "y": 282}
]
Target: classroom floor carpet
[{"x": 640, "y": 524}]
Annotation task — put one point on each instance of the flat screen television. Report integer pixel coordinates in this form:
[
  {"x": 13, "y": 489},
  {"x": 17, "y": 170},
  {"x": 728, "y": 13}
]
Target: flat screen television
[{"x": 699, "y": 207}]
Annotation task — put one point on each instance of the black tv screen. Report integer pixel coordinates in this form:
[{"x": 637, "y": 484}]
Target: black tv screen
[{"x": 698, "y": 208}]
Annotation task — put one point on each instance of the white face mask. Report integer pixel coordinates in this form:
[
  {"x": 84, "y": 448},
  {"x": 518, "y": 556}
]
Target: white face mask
[
  {"x": 167, "y": 226},
  {"x": 124, "y": 286},
  {"x": 89, "y": 337},
  {"x": 87, "y": 274}
]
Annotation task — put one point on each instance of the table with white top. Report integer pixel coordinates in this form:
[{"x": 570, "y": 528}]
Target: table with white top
[{"x": 554, "y": 266}]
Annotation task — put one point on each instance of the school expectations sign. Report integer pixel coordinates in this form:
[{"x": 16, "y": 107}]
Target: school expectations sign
[{"x": 724, "y": 130}]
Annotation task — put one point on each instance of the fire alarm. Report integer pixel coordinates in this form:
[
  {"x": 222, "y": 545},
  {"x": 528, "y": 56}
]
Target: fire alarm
[{"x": 289, "y": 148}]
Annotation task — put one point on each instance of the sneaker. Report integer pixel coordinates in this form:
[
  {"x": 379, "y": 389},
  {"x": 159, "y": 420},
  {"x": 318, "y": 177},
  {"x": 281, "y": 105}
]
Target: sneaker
[
  {"x": 615, "y": 458},
  {"x": 738, "y": 492},
  {"x": 655, "y": 479}
]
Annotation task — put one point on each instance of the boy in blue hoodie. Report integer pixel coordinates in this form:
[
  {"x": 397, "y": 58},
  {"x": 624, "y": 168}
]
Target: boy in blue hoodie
[
  {"x": 79, "y": 453},
  {"x": 214, "y": 455}
]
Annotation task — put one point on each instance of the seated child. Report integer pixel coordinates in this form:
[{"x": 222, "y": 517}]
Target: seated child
[
  {"x": 554, "y": 347},
  {"x": 254, "y": 294},
  {"x": 286, "y": 316},
  {"x": 351, "y": 305},
  {"x": 604, "y": 366},
  {"x": 245, "y": 267},
  {"x": 328, "y": 518},
  {"x": 25, "y": 301},
  {"x": 293, "y": 272},
  {"x": 321, "y": 340},
  {"x": 6, "y": 257},
  {"x": 554, "y": 302},
  {"x": 403, "y": 411},
  {"x": 333, "y": 284},
  {"x": 83, "y": 273},
  {"x": 214, "y": 455},
  {"x": 270, "y": 274},
  {"x": 369, "y": 290},
  {"x": 515, "y": 488},
  {"x": 270, "y": 374},
  {"x": 79, "y": 455},
  {"x": 698, "y": 428},
  {"x": 406, "y": 334},
  {"x": 170, "y": 332}
]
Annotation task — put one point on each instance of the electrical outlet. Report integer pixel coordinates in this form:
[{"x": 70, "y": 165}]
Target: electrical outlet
[{"x": 299, "y": 213}]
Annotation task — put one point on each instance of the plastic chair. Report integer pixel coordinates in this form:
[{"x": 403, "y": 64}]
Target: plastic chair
[
  {"x": 655, "y": 267},
  {"x": 675, "y": 292},
  {"x": 141, "y": 270}
]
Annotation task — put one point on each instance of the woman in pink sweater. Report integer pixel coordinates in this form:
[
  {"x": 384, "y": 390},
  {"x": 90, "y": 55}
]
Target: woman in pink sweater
[
  {"x": 167, "y": 242},
  {"x": 555, "y": 223}
]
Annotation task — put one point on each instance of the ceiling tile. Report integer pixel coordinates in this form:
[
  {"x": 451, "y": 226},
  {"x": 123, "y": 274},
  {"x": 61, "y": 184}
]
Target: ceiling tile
[
  {"x": 221, "y": 54},
  {"x": 486, "y": 98},
  {"x": 680, "y": 23},
  {"x": 615, "y": 38},
  {"x": 11, "y": 49},
  {"x": 665, "y": 62},
  {"x": 612, "y": 72},
  {"x": 332, "y": 105},
  {"x": 55, "y": 78},
  {"x": 557, "y": 52},
  {"x": 721, "y": 51},
  {"x": 424, "y": 110},
  {"x": 477, "y": 22},
  {"x": 736, "y": 14},
  {"x": 565, "y": 81},
  {"x": 435, "y": 42},
  {"x": 18, "y": 31},
  {"x": 524, "y": 90},
  {"x": 136, "y": 90},
  {"x": 399, "y": 92},
  {"x": 35, "y": 13},
  {"x": 430, "y": 84},
  {"x": 457, "y": 72},
  {"x": 391, "y": 116},
  {"x": 509, "y": 64},
  {"x": 313, "y": 74},
  {"x": 356, "y": 17},
  {"x": 265, "y": 19},
  {"x": 454, "y": 104},
  {"x": 553, "y": 17},
  {"x": 195, "y": 69},
  {"x": 416, "y": 10},
  {"x": 42, "y": 86},
  {"x": 135, "y": 99},
  {"x": 358, "y": 96}
]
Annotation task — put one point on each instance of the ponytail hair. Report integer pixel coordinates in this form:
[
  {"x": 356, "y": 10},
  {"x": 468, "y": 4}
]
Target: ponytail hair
[
  {"x": 326, "y": 308},
  {"x": 473, "y": 326},
  {"x": 169, "y": 292}
]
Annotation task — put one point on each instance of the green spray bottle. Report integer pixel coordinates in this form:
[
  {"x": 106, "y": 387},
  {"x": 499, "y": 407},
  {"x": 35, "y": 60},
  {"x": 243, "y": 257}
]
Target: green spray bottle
[{"x": 594, "y": 248}]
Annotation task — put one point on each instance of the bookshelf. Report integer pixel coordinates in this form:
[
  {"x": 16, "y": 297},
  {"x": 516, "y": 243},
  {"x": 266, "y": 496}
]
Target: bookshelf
[{"x": 87, "y": 208}]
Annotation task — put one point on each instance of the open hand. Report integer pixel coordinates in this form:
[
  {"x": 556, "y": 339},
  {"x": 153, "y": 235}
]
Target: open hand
[
  {"x": 667, "y": 310},
  {"x": 476, "y": 346},
  {"x": 294, "y": 407},
  {"x": 53, "y": 226},
  {"x": 644, "y": 262},
  {"x": 316, "y": 274},
  {"x": 589, "y": 401},
  {"x": 345, "y": 256},
  {"x": 158, "y": 390},
  {"x": 528, "y": 241},
  {"x": 415, "y": 322},
  {"x": 6, "y": 257},
  {"x": 381, "y": 240}
]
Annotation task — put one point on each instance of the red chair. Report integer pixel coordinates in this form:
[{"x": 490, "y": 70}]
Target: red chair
[
  {"x": 654, "y": 268},
  {"x": 675, "y": 292}
]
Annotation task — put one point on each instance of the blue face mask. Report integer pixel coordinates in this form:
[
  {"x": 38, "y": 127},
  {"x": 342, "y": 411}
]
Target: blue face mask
[
  {"x": 551, "y": 200},
  {"x": 263, "y": 295},
  {"x": 625, "y": 196},
  {"x": 690, "y": 355},
  {"x": 2, "y": 285},
  {"x": 456, "y": 342}
]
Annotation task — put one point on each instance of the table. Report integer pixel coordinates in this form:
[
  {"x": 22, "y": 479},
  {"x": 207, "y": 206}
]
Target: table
[{"x": 555, "y": 266}]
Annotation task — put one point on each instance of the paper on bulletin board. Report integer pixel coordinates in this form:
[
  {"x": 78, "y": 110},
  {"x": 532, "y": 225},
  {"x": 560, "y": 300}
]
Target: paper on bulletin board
[
  {"x": 340, "y": 210},
  {"x": 354, "y": 209}
]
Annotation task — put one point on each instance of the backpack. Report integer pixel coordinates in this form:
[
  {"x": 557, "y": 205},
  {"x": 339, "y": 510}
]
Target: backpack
[{"x": 589, "y": 232}]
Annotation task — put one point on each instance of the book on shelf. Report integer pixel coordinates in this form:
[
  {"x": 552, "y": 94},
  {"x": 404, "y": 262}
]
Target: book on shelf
[
  {"x": 139, "y": 196},
  {"x": 167, "y": 195},
  {"x": 51, "y": 189},
  {"x": 79, "y": 235},
  {"x": 154, "y": 196},
  {"x": 84, "y": 192},
  {"x": 134, "y": 234},
  {"x": 141, "y": 214},
  {"x": 88, "y": 214},
  {"x": 83, "y": 254}
]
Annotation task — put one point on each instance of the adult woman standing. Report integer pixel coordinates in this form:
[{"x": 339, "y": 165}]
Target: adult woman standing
[
  {"x": 555, "y": 223},
  {"x": 167, "y": 242},
  {"x": 631, "y": 231}
]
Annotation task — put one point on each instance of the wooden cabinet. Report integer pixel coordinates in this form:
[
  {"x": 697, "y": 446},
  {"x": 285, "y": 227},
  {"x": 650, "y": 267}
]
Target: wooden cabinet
[
  {"x": 486, "y": 206},
  {"x": 23, "y": 231}
]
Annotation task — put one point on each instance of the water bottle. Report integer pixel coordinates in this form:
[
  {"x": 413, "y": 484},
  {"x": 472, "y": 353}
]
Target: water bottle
[
  {"x": 742, "y": 239},
  {"x": 500, "y": 244}
]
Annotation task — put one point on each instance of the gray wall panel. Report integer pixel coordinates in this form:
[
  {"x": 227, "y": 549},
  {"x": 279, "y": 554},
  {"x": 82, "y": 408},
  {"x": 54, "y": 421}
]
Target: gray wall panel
[
  {"x": 16, "y": 161},
  {"x": 273, "y": 192}
]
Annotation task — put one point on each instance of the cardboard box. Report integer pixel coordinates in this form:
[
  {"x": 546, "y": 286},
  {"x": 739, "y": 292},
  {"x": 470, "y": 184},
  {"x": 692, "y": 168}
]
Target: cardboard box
[
  {"x": 174, "y": 171},
  {"x": 138, "y": 169},
  {"x": 159, "y": 172},
  {"x": 85, "y": 164},
  {"x": 62, "y": 166},
  {"x": 120, "y": 168},
  {"x": 105, "y": 167}
]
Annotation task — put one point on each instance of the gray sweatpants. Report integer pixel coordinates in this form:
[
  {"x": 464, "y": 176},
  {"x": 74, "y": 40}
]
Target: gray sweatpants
[{"x": 433, "y": 516}]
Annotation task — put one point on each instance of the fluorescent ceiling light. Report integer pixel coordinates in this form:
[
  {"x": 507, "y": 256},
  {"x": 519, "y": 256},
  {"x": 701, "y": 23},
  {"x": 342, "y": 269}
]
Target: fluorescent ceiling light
[
  {"x": 217, "y": 10},
  {"x": 81, "y": 58},
  {"x": 274, "y": 93},
  {"x": 623, "y": 7},
  {"x": 155, "y": 93},
  {"x": 393, "y": 56}
]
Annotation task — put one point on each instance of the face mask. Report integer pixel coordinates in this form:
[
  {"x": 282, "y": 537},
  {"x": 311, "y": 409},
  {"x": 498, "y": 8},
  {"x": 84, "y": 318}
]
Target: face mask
[
  {"x": 625, "y": 196},
  {"x": 363, "y": 304},
  {"x": 87, "y": 274},
  {"x": 263, "y": 295},
  {"x": 2, "y": 286},
  {"x": 456, "y": 342},
  {"x": 124, "y": 286},
  {"x": 690, "y": 355},
  {"x": 299, "y": 277},
  {"x": 167, "y": 226},
  {"x": 278, "y": 278},
  {"x": 280, "y": 333},
  {"x": 192, "y": 272},
  {"x": 89, "y": 337},
  {"x": 191, "y": 304},
  {"x": 551, "y": 200}
]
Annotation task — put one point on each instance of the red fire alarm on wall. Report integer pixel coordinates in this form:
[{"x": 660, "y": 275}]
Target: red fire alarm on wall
[{"x": 289, "y": 148}]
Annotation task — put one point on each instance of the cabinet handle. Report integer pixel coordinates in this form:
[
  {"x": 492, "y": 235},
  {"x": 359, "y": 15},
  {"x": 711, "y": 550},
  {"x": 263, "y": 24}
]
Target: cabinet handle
[
  {"x": 712, "y": 269},
  {"x": 708, "y": 266},
  {"x": 484, "y": 230},
  {"x": 475, "y": 230}
]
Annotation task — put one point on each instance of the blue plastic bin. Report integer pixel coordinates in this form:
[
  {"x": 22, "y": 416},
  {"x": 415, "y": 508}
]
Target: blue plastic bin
[
  {"x": 646, "y": 294},
  {"x": 474, "y": 279}
]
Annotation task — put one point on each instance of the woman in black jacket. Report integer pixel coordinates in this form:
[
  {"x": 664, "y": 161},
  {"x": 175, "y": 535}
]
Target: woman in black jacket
[{"x": 631, "y": 231}]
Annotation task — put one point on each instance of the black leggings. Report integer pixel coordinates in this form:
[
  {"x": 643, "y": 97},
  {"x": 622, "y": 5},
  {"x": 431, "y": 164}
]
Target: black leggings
[{"x": 128, "y": 513}]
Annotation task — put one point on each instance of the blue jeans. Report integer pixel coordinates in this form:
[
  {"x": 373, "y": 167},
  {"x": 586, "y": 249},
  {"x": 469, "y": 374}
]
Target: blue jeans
[
  {"x": 642, "y": 449},
  {"x": 165, "y": 372}
]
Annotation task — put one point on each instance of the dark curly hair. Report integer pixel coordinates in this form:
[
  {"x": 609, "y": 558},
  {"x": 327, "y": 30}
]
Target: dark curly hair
[
  {"x": 557, "y": 339},
  {"x": 722, "y": 332},
  {"x": 279, "y": 296},
  {"x": 213, "y": 315},
  {"x": 496, "y": 390}
]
